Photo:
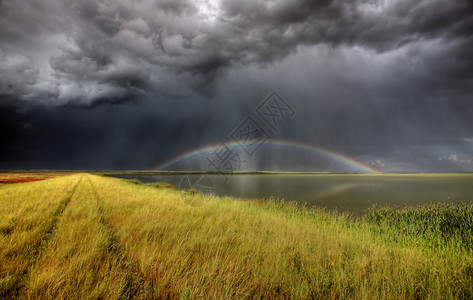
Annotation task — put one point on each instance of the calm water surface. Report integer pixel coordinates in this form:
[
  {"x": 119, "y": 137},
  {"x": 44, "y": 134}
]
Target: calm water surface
[{"x": 343, "y": 192}]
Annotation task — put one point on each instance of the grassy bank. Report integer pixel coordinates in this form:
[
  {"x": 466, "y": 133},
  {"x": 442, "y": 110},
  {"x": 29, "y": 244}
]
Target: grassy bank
[{"x": 86, "y": 236}]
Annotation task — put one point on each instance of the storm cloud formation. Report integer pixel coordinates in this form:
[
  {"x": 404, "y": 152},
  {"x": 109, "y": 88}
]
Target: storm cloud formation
[{"x": 387, "y": 82}]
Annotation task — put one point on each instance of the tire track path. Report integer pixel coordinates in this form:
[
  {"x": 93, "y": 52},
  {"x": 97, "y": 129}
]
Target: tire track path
[
  {"x": 136, "y": 286},
  {"x": 18, "y": 286}
]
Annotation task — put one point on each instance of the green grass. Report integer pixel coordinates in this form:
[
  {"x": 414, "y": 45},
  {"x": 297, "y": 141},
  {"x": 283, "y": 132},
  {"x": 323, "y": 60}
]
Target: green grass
[
  {"x": 439, "y": 226},
  {"x": 86, "y": 236}
]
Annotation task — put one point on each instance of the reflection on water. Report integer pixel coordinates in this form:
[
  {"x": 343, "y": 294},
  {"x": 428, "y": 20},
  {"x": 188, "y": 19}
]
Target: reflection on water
[{"x": 344, "y": 192}]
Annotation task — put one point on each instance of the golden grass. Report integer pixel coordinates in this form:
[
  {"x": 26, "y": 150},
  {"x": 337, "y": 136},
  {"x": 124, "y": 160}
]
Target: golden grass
[
  {"x": 28, "y": 215},
  {"x": 97, "y": 237}
]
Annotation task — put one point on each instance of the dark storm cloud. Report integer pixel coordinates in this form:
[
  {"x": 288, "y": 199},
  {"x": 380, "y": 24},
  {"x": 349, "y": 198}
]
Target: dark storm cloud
[
  {"x": 109, "y": 136},
  {"x": 58, "y": 52},
  {"x": 386, "y": 82}
]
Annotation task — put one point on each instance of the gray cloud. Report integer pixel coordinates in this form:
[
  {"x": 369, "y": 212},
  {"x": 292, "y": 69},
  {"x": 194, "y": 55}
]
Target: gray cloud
[
  {"x": 386, "y": 82},
  {"x": 58, "y": 52}
]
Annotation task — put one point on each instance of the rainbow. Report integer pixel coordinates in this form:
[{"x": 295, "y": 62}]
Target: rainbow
[{"x": 349, "y": 162}]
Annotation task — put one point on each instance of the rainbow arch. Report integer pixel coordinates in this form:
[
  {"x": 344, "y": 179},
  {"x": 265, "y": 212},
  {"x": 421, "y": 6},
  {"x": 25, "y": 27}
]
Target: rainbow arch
[{"x": 350, "y": 162}]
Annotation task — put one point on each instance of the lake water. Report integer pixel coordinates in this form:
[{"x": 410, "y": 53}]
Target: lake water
[{"x": 343, "y": 192}]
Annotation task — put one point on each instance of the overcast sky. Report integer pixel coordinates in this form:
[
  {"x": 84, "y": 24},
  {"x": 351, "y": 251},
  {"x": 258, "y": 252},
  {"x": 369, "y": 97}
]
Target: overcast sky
[{"x": 131, "y": 84}]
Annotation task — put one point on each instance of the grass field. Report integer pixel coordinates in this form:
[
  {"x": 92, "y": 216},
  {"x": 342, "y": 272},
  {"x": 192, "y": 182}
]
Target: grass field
[{"x": 86, "y": 236}]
